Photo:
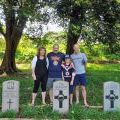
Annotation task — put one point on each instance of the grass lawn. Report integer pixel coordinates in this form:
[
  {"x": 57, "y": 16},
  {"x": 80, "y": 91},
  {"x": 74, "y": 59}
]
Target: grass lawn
[{"x": 97, "y": 74}]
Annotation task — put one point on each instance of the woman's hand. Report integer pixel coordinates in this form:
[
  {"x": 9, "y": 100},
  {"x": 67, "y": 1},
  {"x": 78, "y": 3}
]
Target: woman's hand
[{"x": 34, "y": 77}]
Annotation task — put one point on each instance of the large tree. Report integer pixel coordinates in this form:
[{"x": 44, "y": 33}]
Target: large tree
[
  {"x": 74, "y": 12},
  {"x": 93, "y": 20},
  {"x": 107, "y": 13},
  {"x": 16, "y": 14}
]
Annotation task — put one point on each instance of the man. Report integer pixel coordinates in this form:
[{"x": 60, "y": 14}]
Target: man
[
  {"x": 79, "y": 60},
  {"x": 54, "y": 70}
]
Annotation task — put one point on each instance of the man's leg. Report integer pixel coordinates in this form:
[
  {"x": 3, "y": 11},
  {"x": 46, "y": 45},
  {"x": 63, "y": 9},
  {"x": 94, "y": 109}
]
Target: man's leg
[
  {"x": 51, "y": 95},
  {"x": 50, "y": 88},
  {"x": 71, "y": 99},
  {"x": 84, "y": 94},
  {"x": 77, "y": 91}
]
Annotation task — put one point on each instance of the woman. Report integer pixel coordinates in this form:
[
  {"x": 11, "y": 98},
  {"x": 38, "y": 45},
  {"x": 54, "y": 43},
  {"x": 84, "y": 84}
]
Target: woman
[{"x": 40, "y": 74}]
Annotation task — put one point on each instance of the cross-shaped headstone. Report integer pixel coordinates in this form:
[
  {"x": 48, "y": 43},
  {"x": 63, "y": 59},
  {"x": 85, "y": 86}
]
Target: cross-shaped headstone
[
  {"x": 9, "y": 102},
  {"x": 111, "y": 97},
  {"x": 60, "y": 97}
]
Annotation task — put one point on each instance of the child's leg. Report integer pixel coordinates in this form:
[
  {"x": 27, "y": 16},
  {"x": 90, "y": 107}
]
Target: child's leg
[
  {"x": 71, "y": 89},
  {"x": 35, "y": 89},
  {"x": 84, "y": 95}
]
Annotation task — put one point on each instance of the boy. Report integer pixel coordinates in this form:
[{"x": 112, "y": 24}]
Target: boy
[{"x": 68, "y": 75}]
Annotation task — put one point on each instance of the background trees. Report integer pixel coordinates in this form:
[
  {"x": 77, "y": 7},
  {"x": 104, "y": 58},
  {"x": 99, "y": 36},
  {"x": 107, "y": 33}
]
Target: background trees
[
  {"x": 90, "y": 21},
  {"x": 16, "y": 14}
]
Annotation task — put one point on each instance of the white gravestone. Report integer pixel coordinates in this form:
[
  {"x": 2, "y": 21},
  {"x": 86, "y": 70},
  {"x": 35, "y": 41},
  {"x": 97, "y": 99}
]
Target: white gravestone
[
  {"x": 111, "y": 96},
  {"x": 10, "y": 96},
  {"x": 61, "y": 96}
]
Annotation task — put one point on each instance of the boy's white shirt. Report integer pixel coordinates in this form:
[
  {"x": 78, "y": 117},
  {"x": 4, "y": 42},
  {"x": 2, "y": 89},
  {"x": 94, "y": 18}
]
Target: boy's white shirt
[{"x": 33, "y": 63}]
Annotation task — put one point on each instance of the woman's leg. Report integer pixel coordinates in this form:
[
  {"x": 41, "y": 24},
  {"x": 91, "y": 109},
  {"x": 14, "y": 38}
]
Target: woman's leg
[
  {"x": 35, "y": 89},
  {"x": 43, "y": 87},
  {"x": 33, "y": 98}
]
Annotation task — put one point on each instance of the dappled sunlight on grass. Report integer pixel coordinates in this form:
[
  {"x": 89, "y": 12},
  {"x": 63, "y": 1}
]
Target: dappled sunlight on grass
[
  {"x": 24, "y": 66},
  {"x": 104, "y": 67}
]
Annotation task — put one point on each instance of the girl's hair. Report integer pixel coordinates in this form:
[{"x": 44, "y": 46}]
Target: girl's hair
[{"x": 39, "y": 49}]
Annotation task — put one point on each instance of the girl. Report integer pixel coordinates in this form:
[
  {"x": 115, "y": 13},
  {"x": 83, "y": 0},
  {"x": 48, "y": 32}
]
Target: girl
[{"x": 40, "y": 73}]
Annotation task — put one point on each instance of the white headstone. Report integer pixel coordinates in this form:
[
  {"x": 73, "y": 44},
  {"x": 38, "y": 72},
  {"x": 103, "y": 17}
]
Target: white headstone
[
  {"x": 111, "y": 96},
  {"x": 61, "y": 96},
  {"x": 10, "y": 96}
]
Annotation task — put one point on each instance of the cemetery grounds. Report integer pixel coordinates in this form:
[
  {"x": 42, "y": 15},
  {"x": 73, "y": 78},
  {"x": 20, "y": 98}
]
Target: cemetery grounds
[{"x": 97, "y": 74}]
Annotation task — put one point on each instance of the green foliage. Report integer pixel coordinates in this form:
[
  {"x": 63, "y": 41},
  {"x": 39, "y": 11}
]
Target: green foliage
[
  {"x": 94, "y": 21},
  {"x": 26, "y": 50},
  {"x": 8, "y": 114},
  {"x": 102, "y": 24},
  {"x": 28, "y": 47},
  {"x": 77, "y": 113}
]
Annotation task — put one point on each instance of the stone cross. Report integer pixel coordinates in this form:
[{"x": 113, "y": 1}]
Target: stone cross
[
  {"x": 60, "y": 97},
  {"x": 111, "y": 96},
  {"x": 10, "y": 96}
]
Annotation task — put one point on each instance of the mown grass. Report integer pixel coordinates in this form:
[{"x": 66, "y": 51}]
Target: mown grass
[{"x": 97, "y": 74}]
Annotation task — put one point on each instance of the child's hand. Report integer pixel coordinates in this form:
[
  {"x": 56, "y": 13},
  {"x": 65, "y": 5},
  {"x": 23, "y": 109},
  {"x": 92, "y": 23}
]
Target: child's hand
[{"x": 71, "y": 83}]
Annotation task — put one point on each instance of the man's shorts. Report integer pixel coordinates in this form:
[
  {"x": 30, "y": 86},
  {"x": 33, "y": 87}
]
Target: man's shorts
[
  {"x": 50, "y": 82},
  {"x": 80, "y": 79}
]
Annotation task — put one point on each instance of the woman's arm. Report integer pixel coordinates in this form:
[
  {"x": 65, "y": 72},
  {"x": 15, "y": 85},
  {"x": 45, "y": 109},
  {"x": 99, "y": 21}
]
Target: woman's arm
[
  {"x": 33, "y": 67},
  {"x": 47, "y": 60}
]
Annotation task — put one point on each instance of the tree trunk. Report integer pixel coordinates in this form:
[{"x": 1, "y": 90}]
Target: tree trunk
[
  {"x": 12, "y": 40},
  {"x": 71, "y": 40},
  {"x": 8, "y": 64},
  {"x": 75, "y": 27},
  {"x": 73, "y": 34}
]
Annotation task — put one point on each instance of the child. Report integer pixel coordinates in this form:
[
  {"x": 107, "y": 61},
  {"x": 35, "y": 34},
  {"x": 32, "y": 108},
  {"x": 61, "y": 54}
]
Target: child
[{"x": 68, "y": 75}]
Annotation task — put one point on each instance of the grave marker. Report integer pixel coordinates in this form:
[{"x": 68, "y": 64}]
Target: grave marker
[
  {"x": 111, "y": 96},
  {"x": 61, "y": 96},
  {"x": 10, "y": 96}
]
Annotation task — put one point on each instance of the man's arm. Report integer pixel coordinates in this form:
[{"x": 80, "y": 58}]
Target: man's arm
[
  {"x": 85, "y": 60},
  {"x": 73, "y": 77}
]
